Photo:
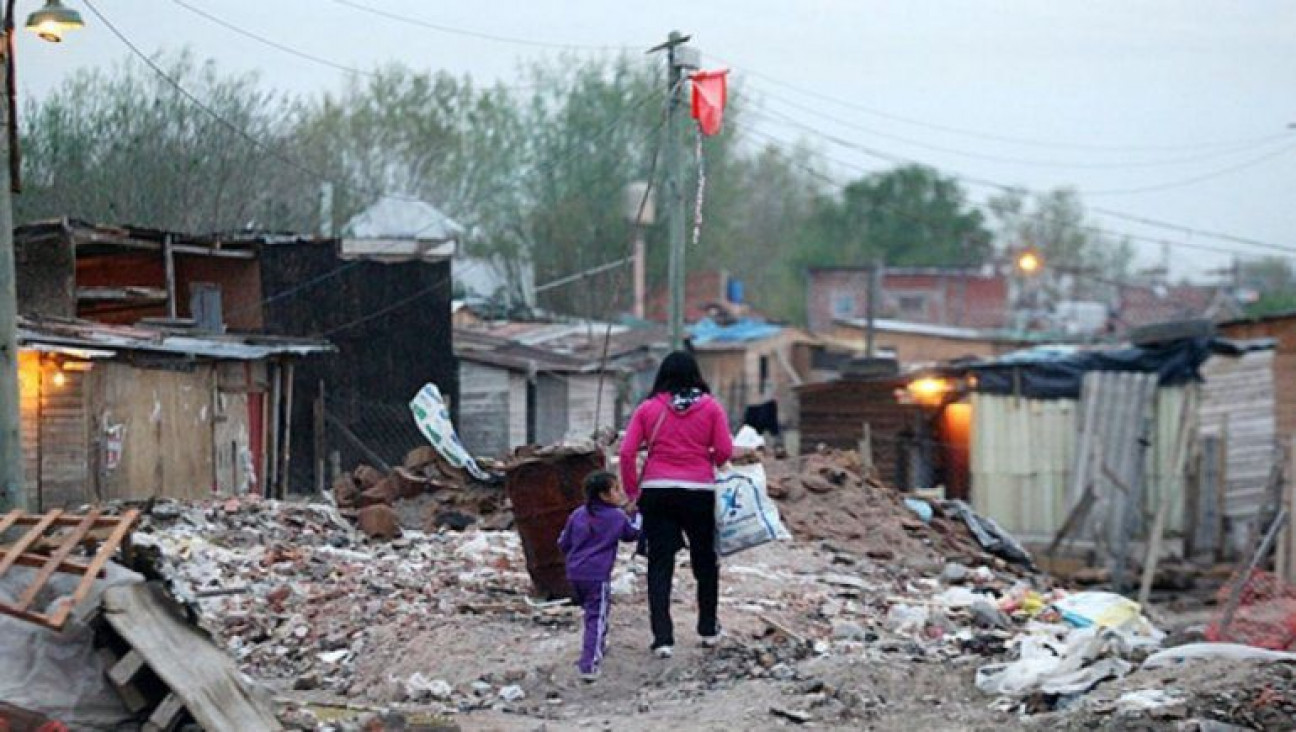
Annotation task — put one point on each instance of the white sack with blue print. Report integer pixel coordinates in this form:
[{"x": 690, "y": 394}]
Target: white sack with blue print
[{"x": 746, "y": 517}]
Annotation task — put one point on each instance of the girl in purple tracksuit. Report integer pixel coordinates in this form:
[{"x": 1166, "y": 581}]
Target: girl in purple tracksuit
[{"x": 589, "y": 542}]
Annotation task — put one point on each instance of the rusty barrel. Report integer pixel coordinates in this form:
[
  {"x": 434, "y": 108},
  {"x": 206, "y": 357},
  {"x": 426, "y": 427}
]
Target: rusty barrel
[{"x": 544, "y": 489}]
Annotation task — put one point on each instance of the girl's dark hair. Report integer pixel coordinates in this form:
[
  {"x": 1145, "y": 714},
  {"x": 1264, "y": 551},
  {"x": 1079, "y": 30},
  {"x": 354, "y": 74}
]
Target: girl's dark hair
[
  {"x": 598, "y": 483},
  {"x": 678, "y": 372}
]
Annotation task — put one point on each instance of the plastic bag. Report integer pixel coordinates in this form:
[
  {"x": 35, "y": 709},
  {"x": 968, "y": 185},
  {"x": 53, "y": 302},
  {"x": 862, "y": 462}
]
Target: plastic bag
[
  {"x": 433, "y": 421},
  {"x": 1103, "y": 609},
  {"x": 745, "y": 515}
]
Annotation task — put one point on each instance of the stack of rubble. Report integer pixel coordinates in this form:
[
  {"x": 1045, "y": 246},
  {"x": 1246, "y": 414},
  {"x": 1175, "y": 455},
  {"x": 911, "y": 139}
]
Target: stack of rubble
[
  {"x": 296, "y": 595},
  {"x": 425, "y": 493},
  {"x": 826, "y": 496}
]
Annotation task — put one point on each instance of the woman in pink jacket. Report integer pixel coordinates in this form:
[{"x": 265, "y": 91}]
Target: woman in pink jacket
[{"x": 687, "y": 437}]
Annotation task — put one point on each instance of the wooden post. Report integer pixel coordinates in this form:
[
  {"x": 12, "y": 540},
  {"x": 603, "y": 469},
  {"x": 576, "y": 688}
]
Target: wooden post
[
  {"x": 1287, "y": 552},
  {"x": 1243, "y": 577},
  {"x": 1179, "y": 459},
  {"x": 274, "y": 412},
  {"x": 321, "y": 445},
  {"x": 284, "y": 471},
  {"x": 168, "y": 260},
  {"x": 866, "y": 449}
]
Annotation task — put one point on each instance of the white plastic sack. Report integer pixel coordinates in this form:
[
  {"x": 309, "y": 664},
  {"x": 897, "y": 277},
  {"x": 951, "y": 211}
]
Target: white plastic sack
[
  {"x": 433, "y": 420},
  {"x": 745, "y": 515},
  {"x": 57, "y": 673},
  {"x": 1213, "y": 651}
]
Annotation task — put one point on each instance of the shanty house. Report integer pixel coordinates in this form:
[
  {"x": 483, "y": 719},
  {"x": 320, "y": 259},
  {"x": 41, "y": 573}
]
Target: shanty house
[
  {"x": 381, "y": 295},
  {"x": 513, "y": 394},
  {"x": 129, "y": 412},
  {"x": 751, "y": 365}
]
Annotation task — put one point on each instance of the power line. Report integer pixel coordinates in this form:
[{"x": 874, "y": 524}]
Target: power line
[
  {"x": 193, "y": 99},
  {"x": 497, "y": 38},
  {"x": 1251, "y": 163},
  {"x": 1005, "y": 188},
  {"x": 273, "y": 43},
  {"x": 984, "y": 207},
  {"x": 1002, "y": 159},
  {"x": 985, "y": 135},
  {"x": 258, "y": 144},
  {"x": 1133, "y": 218}
]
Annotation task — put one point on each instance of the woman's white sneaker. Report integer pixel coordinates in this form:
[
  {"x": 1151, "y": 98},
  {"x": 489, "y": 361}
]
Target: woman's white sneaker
[{"x": 664, "y": 651}]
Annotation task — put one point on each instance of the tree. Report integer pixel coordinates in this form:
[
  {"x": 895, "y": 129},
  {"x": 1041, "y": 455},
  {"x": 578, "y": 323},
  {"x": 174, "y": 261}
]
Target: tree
[
  {"x": 120, "y": 145},
  {"x": 1055, "y": 225},
  {"x": 909, "y": 216}
]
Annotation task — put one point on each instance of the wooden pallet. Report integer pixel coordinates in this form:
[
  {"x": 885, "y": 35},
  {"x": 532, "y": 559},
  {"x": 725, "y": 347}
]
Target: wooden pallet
[{"x": 48, "y": 546}]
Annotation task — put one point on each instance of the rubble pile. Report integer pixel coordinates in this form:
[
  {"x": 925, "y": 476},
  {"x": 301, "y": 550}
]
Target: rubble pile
[
  {"x": 425, "y": 493},
  {"x": 826, "y": 496},
  {"x": 294, "y": 593}
]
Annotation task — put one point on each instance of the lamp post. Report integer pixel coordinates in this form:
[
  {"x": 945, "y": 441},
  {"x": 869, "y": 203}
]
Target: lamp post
[{"x": 49, "y": 23}]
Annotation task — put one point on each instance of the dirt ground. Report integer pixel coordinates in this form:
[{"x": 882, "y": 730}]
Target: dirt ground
[{"x": 754, "y": 671}]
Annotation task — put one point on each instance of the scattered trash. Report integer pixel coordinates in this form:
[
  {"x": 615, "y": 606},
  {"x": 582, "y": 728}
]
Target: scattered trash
[
  {"x": 1215, "y": 652},
  {"x": 989, "y": 534},
  {"x": 921, "y": 508}
]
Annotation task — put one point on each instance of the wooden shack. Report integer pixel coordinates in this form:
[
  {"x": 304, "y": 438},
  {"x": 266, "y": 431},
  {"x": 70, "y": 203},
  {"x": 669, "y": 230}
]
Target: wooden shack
[{"x": 121, "y": 412}]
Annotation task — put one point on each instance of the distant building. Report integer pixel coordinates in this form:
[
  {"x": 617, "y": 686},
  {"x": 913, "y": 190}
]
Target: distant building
[
  {"x": 1139, "y": 305},
  {"x": 960, "y": 297}
]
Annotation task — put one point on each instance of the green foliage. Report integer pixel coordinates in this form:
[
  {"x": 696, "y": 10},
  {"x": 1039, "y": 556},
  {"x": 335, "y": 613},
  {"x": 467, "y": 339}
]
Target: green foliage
[
  {"x": 910, "y": 216},
  {"x": 1055, "y": 225},
  {"x": 119, "y": 145}
]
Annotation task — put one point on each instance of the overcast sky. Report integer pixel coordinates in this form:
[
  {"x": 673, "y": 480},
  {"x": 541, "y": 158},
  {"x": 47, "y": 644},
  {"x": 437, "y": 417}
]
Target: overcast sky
[{"x": 1190, "y": 98}]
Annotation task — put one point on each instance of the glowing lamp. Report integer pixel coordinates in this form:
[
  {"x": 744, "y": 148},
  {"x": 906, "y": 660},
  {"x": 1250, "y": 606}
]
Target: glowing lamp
[
  {"x": 1029, "y": 263},
  {"x": 53, "y": 20}
]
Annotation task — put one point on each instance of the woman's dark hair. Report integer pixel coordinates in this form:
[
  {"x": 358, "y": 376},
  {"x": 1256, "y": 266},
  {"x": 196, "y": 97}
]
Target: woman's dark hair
[
  {"x": 598, "y": 483},
  {"x": 678, "y": 372}
]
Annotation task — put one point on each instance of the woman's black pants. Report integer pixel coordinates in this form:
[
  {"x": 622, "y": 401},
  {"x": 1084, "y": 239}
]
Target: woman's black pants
[{"x": 670, "y": 514}]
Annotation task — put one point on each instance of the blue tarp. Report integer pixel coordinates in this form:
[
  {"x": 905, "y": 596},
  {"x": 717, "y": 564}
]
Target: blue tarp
[{"x": 707, "y": 331}]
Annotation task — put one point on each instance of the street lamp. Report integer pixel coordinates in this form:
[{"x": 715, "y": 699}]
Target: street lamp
[
  {"x": 1029, "y": 262},
  {"x": 50, "y": 22},
  {"x": 53, "y": 20}
]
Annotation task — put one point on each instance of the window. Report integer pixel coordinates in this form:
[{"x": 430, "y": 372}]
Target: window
[
  {"x": 912, "y": 305},
  {"x": 843, "y": 304}
]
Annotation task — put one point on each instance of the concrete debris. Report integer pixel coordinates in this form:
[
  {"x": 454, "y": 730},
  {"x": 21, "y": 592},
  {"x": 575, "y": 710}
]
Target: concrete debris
[
  {"x": 425, "y": 493},
  {"x": 826, "y": 496},
  {"x": 316, "y": 586}
]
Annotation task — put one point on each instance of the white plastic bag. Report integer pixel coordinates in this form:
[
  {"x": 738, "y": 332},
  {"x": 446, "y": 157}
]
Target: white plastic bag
[
  {"x": 433, "y": 420},
  {"x": 745, "y": 515}
]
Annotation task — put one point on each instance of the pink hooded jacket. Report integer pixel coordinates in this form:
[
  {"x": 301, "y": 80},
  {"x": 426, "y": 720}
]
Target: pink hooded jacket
[{"x": 688, "y": 447}]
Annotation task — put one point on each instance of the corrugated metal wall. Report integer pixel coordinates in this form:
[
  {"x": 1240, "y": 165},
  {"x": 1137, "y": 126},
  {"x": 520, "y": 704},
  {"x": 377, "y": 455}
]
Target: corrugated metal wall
[
  {"x": 484, "y": 408},
  {"x": 1024, "y": 453},
  {"x": 1238, "y": 408}
]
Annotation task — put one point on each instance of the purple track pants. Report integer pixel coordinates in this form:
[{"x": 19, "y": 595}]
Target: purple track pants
[{"x": 595, "y": 598}]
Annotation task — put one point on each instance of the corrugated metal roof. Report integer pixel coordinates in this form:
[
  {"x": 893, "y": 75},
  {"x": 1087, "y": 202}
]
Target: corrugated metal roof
[{"x": 100, "y": 338}]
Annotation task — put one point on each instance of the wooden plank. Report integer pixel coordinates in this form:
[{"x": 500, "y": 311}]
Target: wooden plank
[
  {"x": 199, "y": 674},
  {"x": 9, "y": 520},
  {"x": 20, "y": 547},
  {"x": 130, "y": 694},
  {"x": 38, "y": 560},
  {"x": 65, "y": 549},
  {"x": 166, "y": 716},
  {"x": 126, "y": 668},
  {"x": 100, "y": 559}
]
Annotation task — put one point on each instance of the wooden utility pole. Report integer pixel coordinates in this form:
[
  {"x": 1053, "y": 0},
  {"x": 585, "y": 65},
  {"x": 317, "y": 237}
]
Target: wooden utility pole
[
  {"x": 677, "y": 59},
  {"x": 874, "y": 293},
  {"x": 12, "y": 494}
]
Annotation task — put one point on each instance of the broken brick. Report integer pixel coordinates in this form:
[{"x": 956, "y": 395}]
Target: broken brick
[
  {"x": 345, "y": 491},
  {"x": 379, "y": 521},
  {"x": 384, "y": 492},
  {"x": 367, "y": 477}
]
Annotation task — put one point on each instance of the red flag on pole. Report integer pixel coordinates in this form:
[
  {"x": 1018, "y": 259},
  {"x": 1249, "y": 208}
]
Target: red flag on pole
[{"x": 709, "y": 89}]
